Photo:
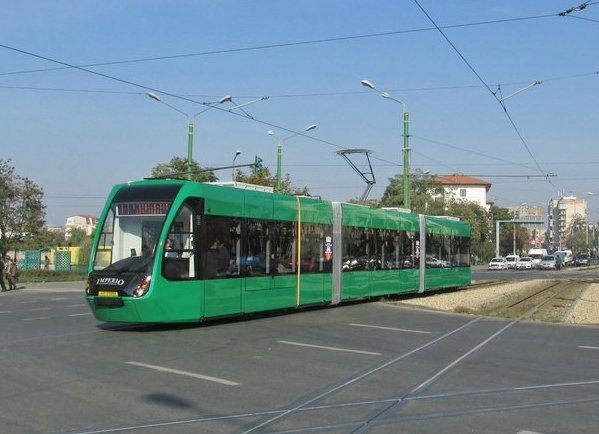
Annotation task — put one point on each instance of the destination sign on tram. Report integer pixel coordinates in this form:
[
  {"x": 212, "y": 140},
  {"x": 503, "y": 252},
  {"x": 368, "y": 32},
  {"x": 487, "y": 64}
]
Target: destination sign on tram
[{"x": 142, "y": 208}]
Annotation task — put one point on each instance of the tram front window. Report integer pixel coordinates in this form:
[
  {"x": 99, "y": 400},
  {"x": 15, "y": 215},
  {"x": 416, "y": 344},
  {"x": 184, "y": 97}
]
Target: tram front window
[{"x": 129, "y": 235}]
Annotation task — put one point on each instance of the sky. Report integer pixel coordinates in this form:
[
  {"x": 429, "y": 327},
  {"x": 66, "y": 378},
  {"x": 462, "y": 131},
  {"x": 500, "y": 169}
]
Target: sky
[{"x": 75, "y": 116}]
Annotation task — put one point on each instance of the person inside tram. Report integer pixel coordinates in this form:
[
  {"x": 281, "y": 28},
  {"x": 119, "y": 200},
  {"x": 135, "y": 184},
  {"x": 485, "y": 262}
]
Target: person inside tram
[
  {"x": 169, "y": 250},
  {"x": 148, "y": 247}
]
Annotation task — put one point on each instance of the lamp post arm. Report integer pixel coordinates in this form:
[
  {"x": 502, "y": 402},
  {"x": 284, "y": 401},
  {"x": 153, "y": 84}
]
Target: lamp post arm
[
  {"x": 248, "y": 103},
  {"x": 403, "y": 104},
  {"x": 521, "y": 90}
]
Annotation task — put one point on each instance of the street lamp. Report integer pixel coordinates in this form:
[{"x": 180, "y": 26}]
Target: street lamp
[
  {"x": 237, "y": 154},
  {"x": 280, "y": 150},
  {"x": 190, "y": 126},
  {"x": 406, "y": 148}
]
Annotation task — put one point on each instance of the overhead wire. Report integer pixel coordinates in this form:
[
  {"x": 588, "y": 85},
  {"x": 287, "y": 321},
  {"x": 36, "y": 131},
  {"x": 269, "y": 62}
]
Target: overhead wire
[
  {"x": 313, "y": 94},
  {"x": 494, "y": 94},
  {"x": 280, "y": 45},
  {"x": 482, "y": 154}
]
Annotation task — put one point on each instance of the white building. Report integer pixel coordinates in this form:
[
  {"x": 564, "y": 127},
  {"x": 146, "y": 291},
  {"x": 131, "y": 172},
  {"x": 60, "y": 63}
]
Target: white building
[
  {"x": 86, "y": 223},
  {"x": 463, "y": 187},
  {"x": 561, "y": 212}
]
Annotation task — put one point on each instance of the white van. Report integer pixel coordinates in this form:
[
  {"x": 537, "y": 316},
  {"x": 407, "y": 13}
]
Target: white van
[
  {"x": 512, "y": 260},
  {"x": 537, "y": 255},
  {"x": 565, "y": 257}
]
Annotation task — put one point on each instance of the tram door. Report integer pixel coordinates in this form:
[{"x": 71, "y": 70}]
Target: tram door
[
  {"x": 180, "y": 290},
  {"x": 220, "y": 265},
  {"x": 266, "y": 265}
]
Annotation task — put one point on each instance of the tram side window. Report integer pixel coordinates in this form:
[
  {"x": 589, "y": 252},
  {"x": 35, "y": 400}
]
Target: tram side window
[
  {"x": 179, "y": 259},
  {"x": 316, "y": 250},
  {"x": 255, "y": 248},
  {"x": 105, "y": 243},
  {"x": 387, "y": 248},
  {"x": 283, "y": 247},
  {"x": 358, "y": 243},
  {"x": 438, "y": 251},
  {"x": 461, "y": 250},
  {"x": 221, "y": 248},
  {"x": 395, "y": 250}
]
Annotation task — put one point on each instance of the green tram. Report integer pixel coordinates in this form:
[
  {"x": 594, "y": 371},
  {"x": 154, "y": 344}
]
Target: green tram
[{"x": 181, "y": 251}]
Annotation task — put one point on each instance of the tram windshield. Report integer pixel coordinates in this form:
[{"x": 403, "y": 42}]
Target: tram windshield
[{"x": 131, "y": 228}]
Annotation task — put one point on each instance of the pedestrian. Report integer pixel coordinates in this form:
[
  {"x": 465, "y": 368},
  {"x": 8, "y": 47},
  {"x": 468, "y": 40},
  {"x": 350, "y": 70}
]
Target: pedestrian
[
  {"x": 46, "y": 263},
  {"x": 12, "y": 273},
  {"x": 2, "y": 284}
]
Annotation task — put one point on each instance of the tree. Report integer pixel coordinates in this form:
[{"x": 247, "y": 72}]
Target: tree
[
  {"x": 44, "y": 240},
  {"x": 22, "y": 212},
  {"x": 482, "y": 246},
  {"x": 426, "y": 196},
  {"x": 77, "y": 236},
  {"x": 262, "y": 176},
  {"x": 577, "y": 235},
  {"x": 177, "y": 168}
]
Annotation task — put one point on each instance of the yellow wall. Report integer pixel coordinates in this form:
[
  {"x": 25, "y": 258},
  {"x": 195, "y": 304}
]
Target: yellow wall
[{"x": 74, "y": 254}]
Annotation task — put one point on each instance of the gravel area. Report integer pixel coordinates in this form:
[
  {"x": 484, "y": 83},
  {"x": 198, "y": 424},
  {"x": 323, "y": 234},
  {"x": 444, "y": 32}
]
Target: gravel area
[{"x": 584, "y": 311}]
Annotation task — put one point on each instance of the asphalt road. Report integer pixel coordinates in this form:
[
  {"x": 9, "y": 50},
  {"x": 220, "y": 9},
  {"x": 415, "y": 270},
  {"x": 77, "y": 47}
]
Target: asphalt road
[{"x": 363, "y": 367}]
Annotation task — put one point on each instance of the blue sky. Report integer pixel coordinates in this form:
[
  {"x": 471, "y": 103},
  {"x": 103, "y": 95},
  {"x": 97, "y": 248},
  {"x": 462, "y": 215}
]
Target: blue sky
[{"x": 77, "y": 133}]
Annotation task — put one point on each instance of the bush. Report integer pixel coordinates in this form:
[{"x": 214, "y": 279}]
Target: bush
[{"x": 51, "y": 276}]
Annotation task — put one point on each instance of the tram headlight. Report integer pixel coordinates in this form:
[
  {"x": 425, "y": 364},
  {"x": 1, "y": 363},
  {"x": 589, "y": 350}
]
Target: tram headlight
[{"x": 143, "y": 286}]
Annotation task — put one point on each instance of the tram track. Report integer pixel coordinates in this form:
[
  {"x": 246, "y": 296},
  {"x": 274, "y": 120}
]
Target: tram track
[{"x": 549, "y": 303}]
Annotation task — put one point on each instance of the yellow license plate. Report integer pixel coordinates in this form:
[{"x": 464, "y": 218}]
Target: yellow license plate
[{"x": 108, "y": 294}]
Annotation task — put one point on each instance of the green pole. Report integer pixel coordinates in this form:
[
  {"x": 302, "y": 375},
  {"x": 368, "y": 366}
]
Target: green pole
[
  {"x": 279, "y": 158},
  {"x": 189, "y": 149},
  {"x": 406, "y": 161}
]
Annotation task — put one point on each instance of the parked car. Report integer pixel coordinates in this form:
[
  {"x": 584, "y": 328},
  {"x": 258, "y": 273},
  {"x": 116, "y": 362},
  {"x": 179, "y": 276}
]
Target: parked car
[
  {"x": 524, "y": 263},
  {"x": 498, "y": 263},
  {"x": 549, "y": 262},
  {"x": 431, "y": 261},
  {"x": 582, "y": 259},
  {"x": 512, "y": 260}
]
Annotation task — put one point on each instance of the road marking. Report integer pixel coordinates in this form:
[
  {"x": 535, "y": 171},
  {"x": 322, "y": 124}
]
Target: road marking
[
  {"x": 586, "y": 347},
  {"x": 35, "y": 319},
  {"x": 4, "y": 311},
  {"x": 77, "y": 305},
  {"x": 58, "y": 299},
  {"x": 185, "y": 373},
  {"x": 390, "y": 328},
  {"x": 80, "y": 314},
  {"x": 299, "y": 344}
]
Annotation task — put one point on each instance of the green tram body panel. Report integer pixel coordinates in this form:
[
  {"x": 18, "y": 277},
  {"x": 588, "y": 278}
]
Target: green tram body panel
[{"x": 200, "y": 298}]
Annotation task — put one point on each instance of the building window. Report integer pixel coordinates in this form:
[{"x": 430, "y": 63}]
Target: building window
[{"x": 462, "y": 192}]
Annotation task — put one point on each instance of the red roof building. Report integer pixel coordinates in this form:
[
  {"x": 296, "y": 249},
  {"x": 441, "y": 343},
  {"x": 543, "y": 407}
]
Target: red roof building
[{"x": 464, "y": 187}]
